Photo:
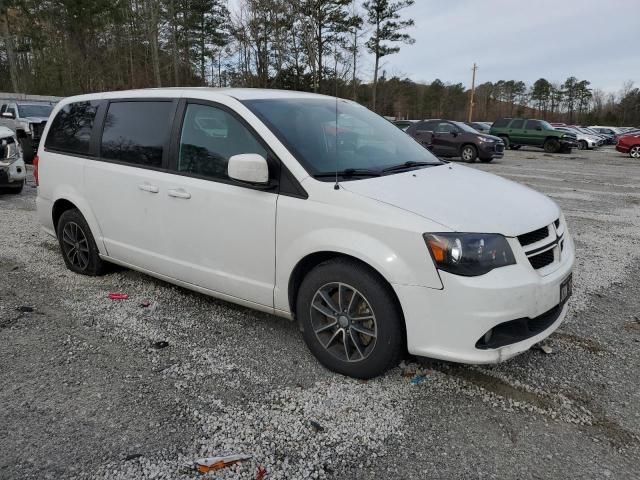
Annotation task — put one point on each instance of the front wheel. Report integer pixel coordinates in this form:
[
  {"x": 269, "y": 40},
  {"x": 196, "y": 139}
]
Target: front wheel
[
  {"x": 350, "y": 320},
  {"x": 634, "y": 152},
  {"x": 469, "y": 153},
  {"x": 78, "y": 246},
  {"x": 486, "y": 160},
  {"x": 551, "y": 145}
]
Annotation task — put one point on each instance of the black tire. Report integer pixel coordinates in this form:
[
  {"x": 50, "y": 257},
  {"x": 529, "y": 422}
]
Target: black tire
[
  {"x": 469, "y": 153},
  {"x": 582, "y": 145},
  {"x": 486, "y": 160},
  {"x": 12, "y": 190},
  {"x": 506, "y": 141},
  {"x": 551, "y": 145},
  {"x": 515, "y": 147},
  {"x": 372, "y": 355},
  {"x": 86, "y": 259}
]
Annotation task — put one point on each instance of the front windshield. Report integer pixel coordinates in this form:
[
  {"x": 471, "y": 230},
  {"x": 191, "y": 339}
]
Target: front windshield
[
  {"x": 359, "y": 140},
  {"x": 465, "y": 127},
  {"x": 34, "y": 110}
]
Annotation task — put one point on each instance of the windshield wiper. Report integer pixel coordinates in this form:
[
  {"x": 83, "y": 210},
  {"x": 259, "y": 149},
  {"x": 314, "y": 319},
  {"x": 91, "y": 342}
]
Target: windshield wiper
[
  {"x": 350, "y": 172},
  {"x": 408, "y": 165}
]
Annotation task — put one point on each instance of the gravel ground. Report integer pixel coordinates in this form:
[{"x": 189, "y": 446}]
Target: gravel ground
[{"x": 87, "y": 390}]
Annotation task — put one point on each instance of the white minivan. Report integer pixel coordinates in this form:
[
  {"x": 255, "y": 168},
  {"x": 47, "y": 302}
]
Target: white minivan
[{"x": 312, "y": 208}]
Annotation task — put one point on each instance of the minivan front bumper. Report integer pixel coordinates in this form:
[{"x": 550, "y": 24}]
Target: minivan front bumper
[{"x": 449, "y": 324}]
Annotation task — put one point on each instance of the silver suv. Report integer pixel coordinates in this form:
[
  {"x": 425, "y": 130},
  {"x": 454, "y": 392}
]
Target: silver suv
[{"x": 27, "y": 120}]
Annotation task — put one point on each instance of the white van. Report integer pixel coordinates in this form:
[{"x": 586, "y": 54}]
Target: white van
[{"x": 308, "y": 207}]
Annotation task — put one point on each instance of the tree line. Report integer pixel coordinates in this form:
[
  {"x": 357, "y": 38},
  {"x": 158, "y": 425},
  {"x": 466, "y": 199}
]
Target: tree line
[{"x": 65, "y": 47}]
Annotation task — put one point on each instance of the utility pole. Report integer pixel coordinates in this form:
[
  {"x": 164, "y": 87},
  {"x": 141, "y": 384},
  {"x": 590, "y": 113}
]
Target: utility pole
[{"x": 473, "y": 91}]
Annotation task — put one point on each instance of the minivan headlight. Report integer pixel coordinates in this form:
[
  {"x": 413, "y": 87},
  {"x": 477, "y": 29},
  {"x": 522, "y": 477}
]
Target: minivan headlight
[{"x": 469, "y": 254}]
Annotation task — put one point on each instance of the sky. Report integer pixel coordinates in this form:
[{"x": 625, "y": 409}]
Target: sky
[{"x": 595, "y": 40}]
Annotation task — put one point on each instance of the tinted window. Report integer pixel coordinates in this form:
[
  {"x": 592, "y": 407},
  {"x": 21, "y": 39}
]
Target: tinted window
[
  {"x": 533, "y": 124},
  {"x": 70, "y": 130},
  {"x": 210, "y": 136},
  {"x": 425, "y": 127},
  {"x": 136, "y": 132},
  {"x": 4, "y": 107},
  {"x": 445, "y": 127},
  {"x": 503, "y": 122},
  {"x": 516, "y": 124}
]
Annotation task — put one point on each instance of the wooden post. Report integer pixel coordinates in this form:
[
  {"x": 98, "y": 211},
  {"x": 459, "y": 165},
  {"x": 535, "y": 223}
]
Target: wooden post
[{"x": 473, "y": 91}]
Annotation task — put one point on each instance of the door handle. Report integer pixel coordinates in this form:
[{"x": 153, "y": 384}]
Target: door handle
[
  {"x": 146, "y": 187},
  {"x": 178, "y": 193}
]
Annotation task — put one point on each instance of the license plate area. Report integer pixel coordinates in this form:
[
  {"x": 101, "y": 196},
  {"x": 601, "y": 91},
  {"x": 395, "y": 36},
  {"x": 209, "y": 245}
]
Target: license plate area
[{"x": 566, "y": 289}]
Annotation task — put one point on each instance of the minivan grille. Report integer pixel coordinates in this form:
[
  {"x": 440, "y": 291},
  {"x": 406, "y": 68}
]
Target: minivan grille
[
  {"x": 533, "y": 237},
  {"x": 542, "y": 259}
]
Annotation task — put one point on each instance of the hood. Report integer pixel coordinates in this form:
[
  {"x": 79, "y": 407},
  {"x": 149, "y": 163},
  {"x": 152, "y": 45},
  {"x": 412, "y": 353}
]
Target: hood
[
  {"x": 462, "y": 199},
  {"x": 35, "y": 119},
  {"x": 6, "y": 132}
]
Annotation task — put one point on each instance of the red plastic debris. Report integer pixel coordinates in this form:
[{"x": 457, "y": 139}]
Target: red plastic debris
[
  {"x": 261, "y": 473},
  {"x": 117, "y": 296}
]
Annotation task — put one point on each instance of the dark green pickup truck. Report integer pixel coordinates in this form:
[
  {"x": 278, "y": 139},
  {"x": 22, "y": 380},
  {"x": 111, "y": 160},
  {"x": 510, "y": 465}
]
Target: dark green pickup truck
[{"x": 516, "y": 132}]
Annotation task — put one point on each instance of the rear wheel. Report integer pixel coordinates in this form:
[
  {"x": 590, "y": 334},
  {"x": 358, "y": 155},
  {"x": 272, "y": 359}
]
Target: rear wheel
[
  {"x": 551, "y": 145},
  {"x": 78, "y": 246},
  {"x": 349, "y": 319},
  {"x": 469, "y": 153},
  {"x": 27, "y": 149},
  {"x": 634, "y": 152}
]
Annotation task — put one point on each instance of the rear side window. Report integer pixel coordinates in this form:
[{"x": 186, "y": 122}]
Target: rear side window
[
  {"x": 533, "y": 124},
  {"x": 70, "y": 130},
  {"x": 136, "y": 132},
  {"x": 503, "y": 122},
  {"x": 517, "y": 124}
]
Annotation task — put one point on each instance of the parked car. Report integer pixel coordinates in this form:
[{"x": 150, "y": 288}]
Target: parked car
[
  {"x": 609, "y": 139},
  {"x": 630, "y": 144},
  {"x": 479, "y": 126},
  {"x": 12, "y": 169},
  {"x": 404, "y": 124},
  {"x": 585, "y": 141},
  {"x": 447, "y": 138},
  {"x": 516, "y": 132},
  {"x": 27, "y": 119},
  {"x": 359, "y": 237},
  {"x": 606, "y": 130}
]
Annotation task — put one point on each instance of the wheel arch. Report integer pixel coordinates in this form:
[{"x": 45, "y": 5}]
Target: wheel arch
[
  {"x": 471, "y": 144},
  {"x": 67, "y": 200},
  {"x": 312, "y": 260}
]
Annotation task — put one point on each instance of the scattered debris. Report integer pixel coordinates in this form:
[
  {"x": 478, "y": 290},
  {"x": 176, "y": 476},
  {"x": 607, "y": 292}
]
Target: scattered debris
[
  {"x": 544, "y": 347},
  {"x": 418, "y": 379},
  {"x": 25, "y": 309},
  {"x": 210, "y": 464},
  {"x": 145, "y": 303},
  {"x": 117, "y": 296},
  {"x": 261, "y": 473},
  {"x": 316, "y": 426},
  {"x": 132, "y": 456},
  {"x": 160, "y": 344}
]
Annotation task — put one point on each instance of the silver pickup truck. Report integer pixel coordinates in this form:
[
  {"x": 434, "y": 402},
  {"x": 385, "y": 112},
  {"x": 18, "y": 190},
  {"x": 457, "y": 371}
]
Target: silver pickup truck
[{"x": 27, "y": 119}]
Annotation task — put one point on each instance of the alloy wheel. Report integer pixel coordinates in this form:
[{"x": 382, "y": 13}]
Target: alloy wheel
[
  {"x": 344, "y": 322},
  {"x": 467, "y": 154},
  {"x": 635, "y": 152},
  {"x": 75, "y": 245}
]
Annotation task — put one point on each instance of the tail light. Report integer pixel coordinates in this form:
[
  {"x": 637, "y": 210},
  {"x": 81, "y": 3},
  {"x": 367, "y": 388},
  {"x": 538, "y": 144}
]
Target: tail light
[{"x": 36, "y": 161}]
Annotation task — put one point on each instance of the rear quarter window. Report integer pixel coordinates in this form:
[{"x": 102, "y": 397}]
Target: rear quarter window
[
  {"x": 70, "y": 131},
  {"x": 137, "y": 132},
  {"x": 503, "y": 122}
]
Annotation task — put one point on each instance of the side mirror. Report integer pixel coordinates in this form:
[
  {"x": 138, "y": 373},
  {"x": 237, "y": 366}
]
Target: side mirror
[
  {"x": 8, "y": 115},
  {"x": 249, "y": 167},
  {"x": 454, "y": 133}
]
